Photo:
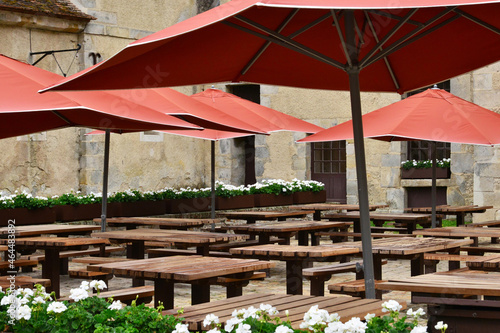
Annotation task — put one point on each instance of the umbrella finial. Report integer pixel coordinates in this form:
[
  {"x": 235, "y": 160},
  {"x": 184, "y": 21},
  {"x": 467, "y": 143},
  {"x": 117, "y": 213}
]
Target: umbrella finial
[{"x": 435, "y": 87}]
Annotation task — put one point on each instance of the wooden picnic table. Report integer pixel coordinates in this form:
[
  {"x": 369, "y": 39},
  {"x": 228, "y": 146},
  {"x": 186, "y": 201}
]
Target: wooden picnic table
[
  {"x": 484, "y": 263},
  {"x": 253, "y": 216},
  {"x": 52, "y": 246},
  {"x": 286, "y": 229},
  {"x": 198, "y": 271},
  {"x": 161, "y": 222},
  {"x": 410, "y": 219},
  {"x": 458, "y": 211},
  {"x": 466, "y": 300},
  {"x": 460, "y": 232},
  {"x": 320, "y": 207},
  {"x": 407, "y": 248},
  {"x": 296, "y": 258},
  {"x": 296, "y": 305},
  {"x": 64, "y": 230}
]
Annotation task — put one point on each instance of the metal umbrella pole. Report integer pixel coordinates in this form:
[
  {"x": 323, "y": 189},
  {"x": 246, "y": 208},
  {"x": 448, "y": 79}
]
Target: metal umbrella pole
[
  {"x": 433, "y": 185},
  {"x": 104, "y": 207},
  {"x": 212, "y": 170}
]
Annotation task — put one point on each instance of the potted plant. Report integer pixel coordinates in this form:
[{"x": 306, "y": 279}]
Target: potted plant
[
  {"x": 232, "y": 197},
  {"x": 413, "y": 169}
]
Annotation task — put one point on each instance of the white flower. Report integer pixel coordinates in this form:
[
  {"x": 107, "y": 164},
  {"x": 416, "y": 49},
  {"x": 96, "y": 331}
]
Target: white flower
[
  {"x": 215, "y": 330},
  {"x": 23, "y": 312},
  {"x": 38, "y": 300},
  {"x": 85, "y": 285},
  {"x": 269, "y": 309},
  {"x": 78, "y": 294},
  {"x": 8, "y": 299},
  {"x": 56, "y": 307},
  {"x": 417, "y": 314},
  {"x": 181, "y": 328},
  {"x": 392, "y": 306},
  {"x": 335, "y": 327},
  {"x": 116, "y": 305},
  {"x": 419, "y": 329},
  {"x": 369, "y": 317},
  {"x": 355, "y": 325},
  {"x": 231, "y": 323},
  {"x": 283, "y": 329},
  {"x": 98, "y": 285},
  {"x": 441, "y": 326},
  {"x": 251, "y": 312},
  {"x": 210, "y": 319},
  {"x": 244, "y": 328}
]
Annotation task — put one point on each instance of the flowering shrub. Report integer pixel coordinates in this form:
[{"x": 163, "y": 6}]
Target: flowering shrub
[
  {"x": 424, "y": 164},
  {"x": 275, "y": 186},
  {"x": 26, "y": 310}
]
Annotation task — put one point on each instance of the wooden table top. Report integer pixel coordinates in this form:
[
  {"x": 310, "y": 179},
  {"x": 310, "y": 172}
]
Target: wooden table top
[
  {"x": 160, "y": 221},
  {"x": 459, "y": 232},
  {"x": 332, "y": 206},
  {"x": 453, "y": 209},
  {"x": 286, "y": 226},
  {"x": 296, "y": 305},
  {"x": 170, "y": 236},
  {"x": 273, "y": 251},
  {"x": 45, "y": 242},
  {"x": 40, "y": 229},
  {"x": 488, "y": 262},
  {"x": 457, "y": 282},
  {"x": 182, "y": 268},
  {"x": 264, "y": 215},
  {"x": 406, "y": 217},
  {"x": 408, "y": 245}
]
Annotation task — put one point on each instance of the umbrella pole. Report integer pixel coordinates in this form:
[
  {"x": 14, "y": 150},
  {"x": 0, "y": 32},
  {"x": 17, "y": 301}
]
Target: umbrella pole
[
  {"x": 212, "y": 171},
  {"x": 433, "y": 186},
  {"x": 359, "y": 151},
  {"x": 105, "y": 180}
]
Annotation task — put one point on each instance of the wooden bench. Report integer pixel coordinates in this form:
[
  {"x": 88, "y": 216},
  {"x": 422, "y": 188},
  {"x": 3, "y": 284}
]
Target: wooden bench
[
  {"x": 22, "y": 281},
  {"x": 99, "y": 260},
  {"x": 318, "y": 275},
  {"x": 342, "y": 236},
  {"x": 479, "y": 250},
  {"x": 89, "y": 275},
  {"x": 392, "y": 229},
  {"x": 432, "y": 259},
  {"x": 492, "y": 223},
  {"x": 6, "y": 265},
  {"x": 164, "y": 252},
  {"x": 143, "y": 294},
  {"x": 227, "y": 246},
  {"x": 234, "y": 285},
  {"x": 355, "y": 288}
]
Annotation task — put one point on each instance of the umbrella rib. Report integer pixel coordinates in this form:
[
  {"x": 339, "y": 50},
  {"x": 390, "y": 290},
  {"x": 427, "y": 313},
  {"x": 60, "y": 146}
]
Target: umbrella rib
[
  {"x": 267, "y": 43},
  {"x": 394, "y": 17},
  {"x": 389, "y": 35},
  {"x": 408, "y": 38},
  {"x": 341, "y": 37},
  {"x": 386, "y": 60},
  {"x": 284, "y": 41},
  {"x": 63, "y": 117},
  {"x": 477, "y": 21}
]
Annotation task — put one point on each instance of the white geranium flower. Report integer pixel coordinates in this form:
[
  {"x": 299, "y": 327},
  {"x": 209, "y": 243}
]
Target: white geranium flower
[
  {"x": 8, "y": 299},
  {"x": 244, "y": 328},
  {"x": 210, "y": 319},
  {"x": 441, "y": 326},
  {"x": 251, "y": 312},
  {"x": 391, "y": 306},
  {"x": 39, "y": 300},
  {"x": 181, "y": 328},
  {"x": 355, "y": 325},
  {"x": 417, "y": 314},
  {"x": 98, "y": 285},
  {"x": 283, "y": 329},
  {"x": 78, "y": 294},
  {"x": 269, "y": 309},
  {"x": 419, "y": 329},
  {"x": 215, "y": 330},
  {"x": 335, "y": 327},
  {"x": 23, "y": 312},
  {"x": 369, "y": 317},
  {"x": 116, "y": 305},
  {"x": 231, "y": 323},
  {"x": 56, "y": 307},
  {"x": 85, "y": 285}
]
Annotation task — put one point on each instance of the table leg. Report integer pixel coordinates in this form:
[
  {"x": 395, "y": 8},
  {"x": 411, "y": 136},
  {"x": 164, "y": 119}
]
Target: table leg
[
  {"x": 203, "y": 250},
  {"x": 315, "y": 240},
  {"x": 460, "y": 219},
  {"x": 200, "y": 292},
  {"x": 417, "y": 265},
  {"x": 136, "y": 252},
  {"x": 50, "y": 269},
  {"x": 294, "y": 276},
  {"x": 303, "y": 237},
  {"x": 264, "y": 238},
  {"x": 164, "y": 292},
  {"x": 317, "y": 215}
]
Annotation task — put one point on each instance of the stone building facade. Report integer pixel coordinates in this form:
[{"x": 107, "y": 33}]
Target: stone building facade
[{"x": 60, "y": 161}]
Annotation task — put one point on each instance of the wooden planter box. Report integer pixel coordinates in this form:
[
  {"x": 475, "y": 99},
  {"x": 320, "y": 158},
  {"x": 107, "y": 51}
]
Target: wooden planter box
[
  {"x": 269, "y": 200},
  {"x": 69, "y": 213},
  {"x": 184, "y": 206},
  {"x": 142, "y": 208},
  {"x": 441, "y": 173},
  {"x": 237, "y": 202},
  {"x": 25, "y": 216},
  {"x": 309, "y": 197}
]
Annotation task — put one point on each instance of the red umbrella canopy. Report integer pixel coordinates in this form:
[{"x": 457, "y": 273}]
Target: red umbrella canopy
[
  {"x": 23, "y": 110},
  {"x": 400, "y": 46},
  {"x": 434, "y": 115}
]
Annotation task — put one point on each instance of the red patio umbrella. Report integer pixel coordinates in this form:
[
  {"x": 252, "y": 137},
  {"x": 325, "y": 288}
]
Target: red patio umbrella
[
  {"x": 366, "y": 45},
  {"x": 265, "y": 119},
  {"x": 433, "y": 115}
]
